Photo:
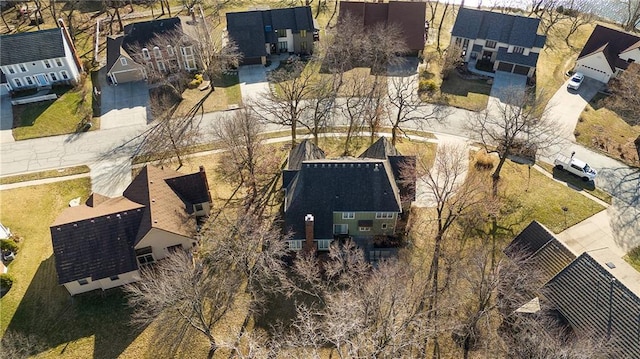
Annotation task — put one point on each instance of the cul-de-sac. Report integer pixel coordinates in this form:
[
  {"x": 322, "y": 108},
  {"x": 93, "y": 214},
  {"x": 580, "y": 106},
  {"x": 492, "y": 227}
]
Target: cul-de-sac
[{"x": 320, "y": 179}]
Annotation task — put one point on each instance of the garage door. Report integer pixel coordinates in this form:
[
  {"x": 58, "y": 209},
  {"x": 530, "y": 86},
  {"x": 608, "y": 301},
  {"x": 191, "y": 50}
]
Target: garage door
[
  {"x": 593, "y": 73},
  {"x": 505, "y": 66},
  {"x": 521, "y": 70},
  {"x": 252, "y": 61}
]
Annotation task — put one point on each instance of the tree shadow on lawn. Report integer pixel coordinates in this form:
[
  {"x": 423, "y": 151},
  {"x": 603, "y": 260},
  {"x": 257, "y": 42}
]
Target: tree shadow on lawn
[
  {"x": 454, "y": 85},
  {"x": 49, "y": 313}
]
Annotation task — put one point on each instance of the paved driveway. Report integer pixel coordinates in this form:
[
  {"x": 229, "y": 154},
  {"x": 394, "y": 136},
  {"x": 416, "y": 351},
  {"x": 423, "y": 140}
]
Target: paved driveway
[
  {"x": 6, "y": 116},
  {"x": 123, "y": 104},
  {"x": 253, "y": 79},
  {"x": 566, "y": 105},
  {"x": 507, "y": 87}
]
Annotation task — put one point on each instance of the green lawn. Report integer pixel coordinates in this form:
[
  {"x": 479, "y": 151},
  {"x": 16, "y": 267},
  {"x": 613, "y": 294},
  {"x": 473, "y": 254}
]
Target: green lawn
[
  {"x": 576, "y": 183},
  {"x": 50, "y": 118},
  {"x": 633, "y": 258},
  {"x": 45, "y": 174},
  {"x": 540, "y": 198},
  {"x": 468, "y": 94}
]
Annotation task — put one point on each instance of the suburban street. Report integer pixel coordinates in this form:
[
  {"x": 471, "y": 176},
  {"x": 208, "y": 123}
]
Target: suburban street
[{"x": 108, "y": 152}]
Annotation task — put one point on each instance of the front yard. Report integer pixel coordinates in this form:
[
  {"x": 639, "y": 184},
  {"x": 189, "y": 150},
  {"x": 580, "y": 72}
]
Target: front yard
[{"x": 57, "y": 117}]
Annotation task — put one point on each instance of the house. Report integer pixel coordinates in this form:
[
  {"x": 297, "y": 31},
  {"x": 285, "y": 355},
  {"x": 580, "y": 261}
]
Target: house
[
  {"x": 409, "y": 17},
  {"x": 157, "y": 45},
  {"x": 607, "y": 53},
  {"x": 260, "y": 33},
  {"x": 597, "y": 292},
  {"x": 333, "y": 199},
  {"x": 598, "y": 296},
  {"x": 508, "y": 43},
  {"x": 39, "y": 59},
  {"x": 103, "y": 243}
]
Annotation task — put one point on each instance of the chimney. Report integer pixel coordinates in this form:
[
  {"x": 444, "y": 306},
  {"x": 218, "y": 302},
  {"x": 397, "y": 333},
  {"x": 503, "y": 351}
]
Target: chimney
[
  {"x": 308, "y": 234},
  {"x": 67, "y": 36}
]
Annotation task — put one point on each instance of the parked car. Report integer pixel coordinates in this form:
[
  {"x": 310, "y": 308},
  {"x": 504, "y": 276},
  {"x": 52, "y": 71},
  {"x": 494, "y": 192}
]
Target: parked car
[
  {"x": 576, "y": 81},
  {"x": 576, "y": 167}
]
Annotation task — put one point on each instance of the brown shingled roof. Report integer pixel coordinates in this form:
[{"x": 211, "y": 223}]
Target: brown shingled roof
[{"x": 84, "y": 212}]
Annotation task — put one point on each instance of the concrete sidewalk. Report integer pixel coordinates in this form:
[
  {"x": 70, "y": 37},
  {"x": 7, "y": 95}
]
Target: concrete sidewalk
[{"x": 593, "y": 233}]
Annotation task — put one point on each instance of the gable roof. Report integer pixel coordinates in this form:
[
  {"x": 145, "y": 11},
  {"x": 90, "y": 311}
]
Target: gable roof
[
  {"x": 511, "y": 29},
  {"x": 98, "y": 239},
  {"x": 114, "y": 50},
  {"x": 31, "y": 46},
  {"x": 143, "y": 32},
  {"x": 164, "y": 208},
  {"x": 599, "y": 300},
  {"x": 322, "y": 187},
  {"x": 251, "y": 30},
  {"x": 408, "y": 16},
  {"x": 381, "y": 149},
  {"x": 612, "y": 43},
  {"x": 547, "y": 254},
  {"x": 96, "y": 242}
]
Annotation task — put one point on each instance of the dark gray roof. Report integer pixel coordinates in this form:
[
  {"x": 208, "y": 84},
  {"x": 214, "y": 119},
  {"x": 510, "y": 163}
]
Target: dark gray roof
[
  {"x": 380, "y": 149},
  {"x": 546, "y": 253},
  {"x": 510, "y": 29},
  {"x": 192, "y": 188},
  {"x": 519, "y": 59},
  {"x": 31, "y": 46},
  {"x": 611, "y": 42},
  {"x": 99, "y": 247},
  {"x": 114, "y": 48},
  {"x": 251, "y": 30},
  {"x": 322, "y": 187},
  {"x": 304, "y": 151},
  {"x": 142, "y": 33},
  {"x": 595, "y": 303}
]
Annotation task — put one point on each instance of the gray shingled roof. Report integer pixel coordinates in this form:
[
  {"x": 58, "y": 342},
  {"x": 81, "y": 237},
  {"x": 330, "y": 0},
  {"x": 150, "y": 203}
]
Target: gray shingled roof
[
  {"x": 143, "y": 32},
  {"x": 304, "y": 151},
  {"x": 546, "y": 253},
  {"x": 519, "y": 59},
  {"x": 510, "y": 29},
  {"x": 249, "y": 28},
  {"x": 595, "y": 303},
  {"x": 380, "y": 149},
  {"x": 98, "y": 247},
  {"x": 31, "y": 46},
  {"x": 322, "y": 187}
]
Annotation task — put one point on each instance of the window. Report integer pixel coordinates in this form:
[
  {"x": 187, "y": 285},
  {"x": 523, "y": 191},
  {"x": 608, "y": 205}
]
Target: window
[
  {"x": 157, "y": 52},
  {"x": 58, "y": 62},
  {"x": 186, "y": 51},
  {"x": 123, "y": 61},
  {"x": 348, "y": 215},
  {"x": 295, "y": 245},
  {"x": 114, "y": 277},
  {"x": 518, "y": 49},
  {"x": 340, "y": 228},
  {"x": 303, "y": 46},
  {"x": 630, "y": 60},
  {"x": 145, "y": 54},
  {"x": 491, "y": 44},
  {"x": 22, "y": 68},
  {"x": 170, "y": 50},
  {"x": 53, "y": 76},
  {"x": 47, "y": 64},
  {"x": 303, "y": 33},
  {"x": 161, "y": 66},
  {"x": 283, "y": 46},
  {"x": 173, "y": 249},
  {"x": 17, "y": 82},
  {"x": 384, "y": 215},
  {"x": 144, "y": 255},
  {"x": 324, "y": 244},
  {"x": 384, "y": 226},
  {"x": 198, "y": 207},
  {"x": 364, "y": 229},
  {"x": 11, "y": 69},
  {"x": 29, "y": 80},
  {"x": 281, "y": 33},
  {"x": 64, "y": 75},
  {"x": 83, "y": 281}
]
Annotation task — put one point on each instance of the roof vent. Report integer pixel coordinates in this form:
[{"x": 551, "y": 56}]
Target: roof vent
[
  {"x": 75, "y": 224},
  {"x": 118, "y": 215},
  {"x": 108, "y": 217},
  {"x": 153, "y": 200},
  {"x": 375, "y": 168},
  {"x": 610, "y": 265},
  {"x": 151, "y": 182}
]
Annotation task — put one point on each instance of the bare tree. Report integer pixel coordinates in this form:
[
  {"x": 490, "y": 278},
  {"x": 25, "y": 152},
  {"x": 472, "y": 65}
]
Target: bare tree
[
  {"x": 321, "y": 106},
  {"x": 631, "y": 13},
  {"x": 451, "y": 59},
  {"x": 579, "y": 14},
  {"x": 285, "y": 101},
  {"x": 192, "y": 291},
  {"x": 249, "y": 164},
  {"x": 408, "y": 108},
  {"x": 447, "y": 7},
  {"x": 624, "y": 100},
  {"x": 454, "y": 195},
  {"x": 520, "y": 121}
]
